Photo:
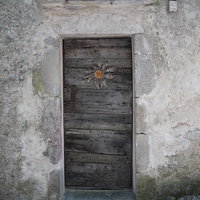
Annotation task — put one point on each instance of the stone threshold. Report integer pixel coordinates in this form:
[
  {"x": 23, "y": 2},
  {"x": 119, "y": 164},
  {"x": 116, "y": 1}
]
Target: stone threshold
[{"x": 99, "y": 195}]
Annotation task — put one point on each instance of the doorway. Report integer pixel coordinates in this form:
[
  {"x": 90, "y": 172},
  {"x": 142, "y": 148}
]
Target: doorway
[{"x": 98, "y": 113}]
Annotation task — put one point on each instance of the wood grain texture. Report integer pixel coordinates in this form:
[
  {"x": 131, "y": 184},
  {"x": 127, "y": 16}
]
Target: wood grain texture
[
  {"x": 98, "y": 122},
  {"x": 98, "y": 52},
  {"x": 75, "y": 77},
  {"x": 98, "y": 175},
  {"x": 81, "y": 72},
  {"x": 100, "y": 108},
  {"x": 116, "y": 83},
  {"x": 97, "y": 101},
  {"x": 84, "y": 157},
  {"x": 94, "y": 95},
  {"x": 102, "y": 142},
  {"x": 89, "y": 63},
  {"x": 82, "y": 43}
]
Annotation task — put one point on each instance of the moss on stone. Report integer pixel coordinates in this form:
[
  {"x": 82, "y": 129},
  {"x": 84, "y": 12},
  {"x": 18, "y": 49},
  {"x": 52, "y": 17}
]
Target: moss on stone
[
  {"x": 177, "y": 186},
  {"x": 169, "y": 185},
  {"x": 54, "y": 185},
  {"x": 181, "y": 177},
  {"x": 26, "y": 188},
  {"x": 146, "y": 188}
]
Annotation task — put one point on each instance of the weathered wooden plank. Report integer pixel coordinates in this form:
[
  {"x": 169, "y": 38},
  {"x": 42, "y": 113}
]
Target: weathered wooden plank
[
  {"x": 105, "y": 42},
  {"x": 122, "y": 79},
  {"x": 85, "y": 63},
  {"x": 96, "y": 158},
  {"x": 111, "y": 84},
  {"x": 102, "y": 142},
  {"x": 98, "y": 52},
  {"x": 94, "y": 95},
  {"x": 111, "y": 170},
  {"x": 97, "y": 121},
  {"x": 92, "y": 146},
  {"x": 99, "y": 171},
  {"x": 84, "y": 134},
  {"x": 98, "y": 175},
  {"x": 100, "y": 108},
  {"x": 75, "y": 181},
  {"x": 97, "y": 101},
  {"x": 82, "y": 72}
]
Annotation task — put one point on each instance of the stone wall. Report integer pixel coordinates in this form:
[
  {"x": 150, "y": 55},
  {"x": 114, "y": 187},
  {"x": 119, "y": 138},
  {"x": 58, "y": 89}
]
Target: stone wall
[{"x": 167, "y": 79}]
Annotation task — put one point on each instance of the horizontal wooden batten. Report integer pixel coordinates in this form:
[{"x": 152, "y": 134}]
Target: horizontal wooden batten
[
  {"x": 98, "y": 121},
  {"x": 83, "y": 157},
  {"x": 97, "y": 101},
  {"x": 89, "y": 63},
  {"x": 95, "y": 95},
  {"x": 105, "y": 42},
  {"x": 98, "y": 52},
  {"x": 92, "y": 146},
  {"x": 96, "y": 183},
  {"x": 83, "y": 84},
  {"x": 82, "y": 72},
  {"x": 99, "y": 108},
  {"x": 81, "y": 133},
  {"x": 76, "y": 78},
  {"x": 91, "y": 168},
  {"x": 94, "y": 170},
  {"x": 98, "y": 175},
  {"x": 103, "y": 142}
]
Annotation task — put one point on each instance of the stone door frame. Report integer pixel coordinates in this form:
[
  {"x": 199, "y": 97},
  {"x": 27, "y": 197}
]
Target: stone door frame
[{"x": 63, "y": 189}]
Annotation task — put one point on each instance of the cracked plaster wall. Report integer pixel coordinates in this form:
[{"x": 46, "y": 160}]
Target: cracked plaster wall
[{"x": 167, "y": 79}]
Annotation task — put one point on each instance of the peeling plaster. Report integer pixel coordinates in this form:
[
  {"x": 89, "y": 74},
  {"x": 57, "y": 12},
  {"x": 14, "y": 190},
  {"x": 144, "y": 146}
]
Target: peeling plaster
[{"x": 35, "y": 166}]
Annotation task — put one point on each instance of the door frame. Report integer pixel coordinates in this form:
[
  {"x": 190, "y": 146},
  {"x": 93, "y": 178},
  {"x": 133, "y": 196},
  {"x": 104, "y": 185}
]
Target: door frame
[{"x": 63, "y": 189}]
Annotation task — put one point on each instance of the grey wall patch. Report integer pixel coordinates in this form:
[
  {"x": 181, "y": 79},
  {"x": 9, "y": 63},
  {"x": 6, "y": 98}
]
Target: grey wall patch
[{"x": 47, "y": 78}]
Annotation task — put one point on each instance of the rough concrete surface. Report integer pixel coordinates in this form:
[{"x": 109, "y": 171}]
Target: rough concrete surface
[{"x": 167, "y": 89}]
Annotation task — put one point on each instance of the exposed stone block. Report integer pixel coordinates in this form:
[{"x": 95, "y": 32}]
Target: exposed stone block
[
  {"x": 47, "y": 77},
  {"x": 173, "y": 6},
  {"x": 142, "y": 152},
  {"x": 144, "y": 71}
]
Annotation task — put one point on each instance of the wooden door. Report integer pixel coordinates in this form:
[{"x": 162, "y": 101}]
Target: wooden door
[{"x": 98, "y": 113}]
